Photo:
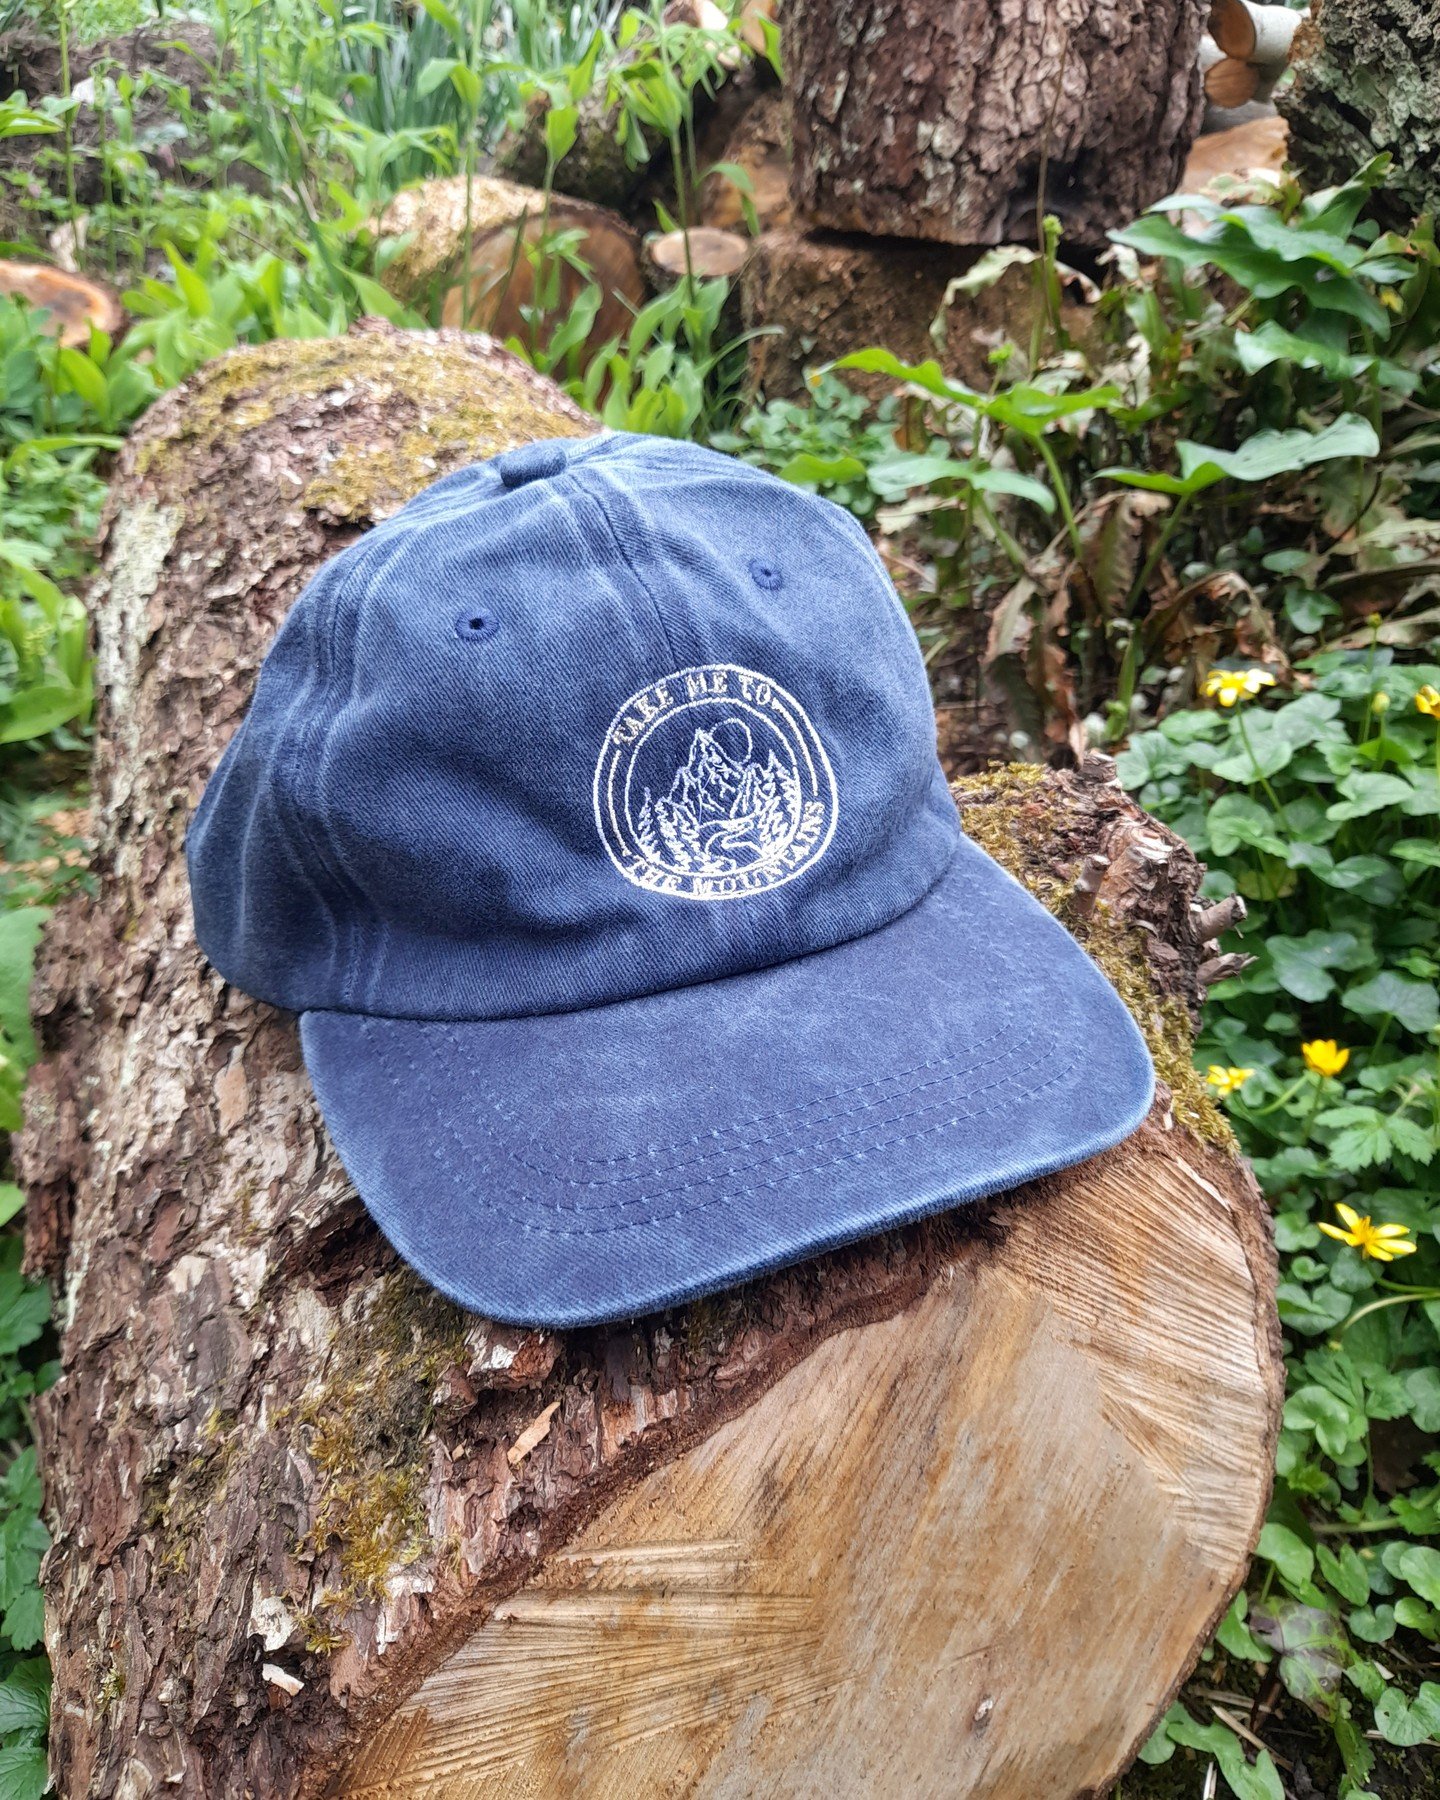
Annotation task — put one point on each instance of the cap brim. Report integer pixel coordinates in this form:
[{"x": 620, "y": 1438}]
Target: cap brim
[{"x": 580, "y": 1167}]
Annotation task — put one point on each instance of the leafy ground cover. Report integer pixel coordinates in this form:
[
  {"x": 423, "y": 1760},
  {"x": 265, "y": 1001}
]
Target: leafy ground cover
[{"x": 1203, "y": 535}]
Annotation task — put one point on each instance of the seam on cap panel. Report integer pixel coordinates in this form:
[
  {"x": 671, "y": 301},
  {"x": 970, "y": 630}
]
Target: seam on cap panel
[
  {"x": 308, "y": 729},
  {"x": 595, "y": 501}
]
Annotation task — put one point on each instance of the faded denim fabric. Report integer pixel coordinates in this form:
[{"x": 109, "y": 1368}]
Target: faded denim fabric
[{"x": 589, "y": 812}]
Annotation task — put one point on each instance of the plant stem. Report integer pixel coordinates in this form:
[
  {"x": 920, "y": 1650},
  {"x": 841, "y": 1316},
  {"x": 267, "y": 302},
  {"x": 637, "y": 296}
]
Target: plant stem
[
  {"x": 1255, "y": 764},
  {"x": 1062, "y": 499}
]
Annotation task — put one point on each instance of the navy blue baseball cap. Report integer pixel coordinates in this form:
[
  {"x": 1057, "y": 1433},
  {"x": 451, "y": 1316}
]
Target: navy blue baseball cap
[{"x": 588, "y": 813}]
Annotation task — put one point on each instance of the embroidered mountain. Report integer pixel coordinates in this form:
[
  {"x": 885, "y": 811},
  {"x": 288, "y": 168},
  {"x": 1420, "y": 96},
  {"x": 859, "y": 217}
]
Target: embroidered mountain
[{"x": 724, "y": 810}]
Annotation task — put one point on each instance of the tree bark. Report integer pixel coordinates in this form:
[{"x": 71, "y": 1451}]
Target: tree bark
[
  {"x": 953, "y": 1509},
  {"x": 1367, "y": 80},
  {"x": 961, "y": 123}
]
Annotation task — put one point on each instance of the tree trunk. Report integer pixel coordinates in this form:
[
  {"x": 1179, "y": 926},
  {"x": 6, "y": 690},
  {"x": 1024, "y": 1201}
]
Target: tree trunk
[
  {"x": 464, "y": 267},
  {"x": 1367, "y": 79},
  {"x": 951, "y": 1511},
  {"x": 961, "y": 123}
]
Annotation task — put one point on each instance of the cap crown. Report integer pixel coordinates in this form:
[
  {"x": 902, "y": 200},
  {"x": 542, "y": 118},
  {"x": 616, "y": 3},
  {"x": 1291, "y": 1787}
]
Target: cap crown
[{"x": 578, "y": 724}]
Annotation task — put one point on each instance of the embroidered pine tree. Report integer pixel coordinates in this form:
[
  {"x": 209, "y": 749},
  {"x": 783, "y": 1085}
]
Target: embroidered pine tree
[
  {"x": 645, "y": 832},
  {"x": 777, "y": 813},
  {"x": 680, "y": 835}
]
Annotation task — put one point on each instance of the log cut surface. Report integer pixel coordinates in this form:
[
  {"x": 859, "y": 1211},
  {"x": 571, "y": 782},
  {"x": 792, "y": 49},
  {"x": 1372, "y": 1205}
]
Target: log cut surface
[
  {"x": 459, "y": 262},
  {"x": 298, "y": 1500},
  {"x": 885, "y": 1575}
]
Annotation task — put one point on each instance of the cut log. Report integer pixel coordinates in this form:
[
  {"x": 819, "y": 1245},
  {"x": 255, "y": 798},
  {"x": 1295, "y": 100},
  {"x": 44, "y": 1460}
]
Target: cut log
[
  {"x": 705, "y": 253},
  {"x": 825, "y": 295},
  {"x": 760, "y": 145},
  {"x": 1244, "y": 151},
  {"x": 73, "y": 303},
  {"x": 958, "y": 123},
  {"x": 1227, "y": 81},
  {"x": 1367, "y": 80},
  {"x": 1258, "y": 34},
  {"x": 951, "y": 1511},
  {"x": 491, "y": 293}
]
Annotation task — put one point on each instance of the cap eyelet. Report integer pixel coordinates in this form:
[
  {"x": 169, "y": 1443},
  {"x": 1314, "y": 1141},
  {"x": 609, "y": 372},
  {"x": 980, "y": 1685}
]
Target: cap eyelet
[
  {"x": 473, "y": 625},
  {"x": 766, "y": 575}
]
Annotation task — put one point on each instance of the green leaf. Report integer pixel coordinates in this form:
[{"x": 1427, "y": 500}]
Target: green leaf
[
  {"x": 434, "y": 74},
  {"x": 442, "y": 15},
  {"x": 1294, "y": 1560},
  {"x": 87, "y": 380},
  {"x": 1248, "y": 1781},
  {"x": 1234, "y": 1635},
  {"x": 24, "y": 1772},
  {"x": 1260, "y": 458},
  {"x": 1302, "y": 965},
  {"x": 12, "y": 1199},
  {"x": 1415, "y": 1004},
  {"x": 1345, "y": 1572},
  {"x": 25, "y": 1698},
  {"x": 24, "y": 1622},
  {"x": 809, "y": 470},
  {"x": 1417, "y": 1566},
  {"x": 20, "y": 931},
  {"x": 561, "y": 125},
  {"x": 1404, "y": 1722},
  {"x": 1367, "y": 791},
  {"x": 24, "y": 1311}
]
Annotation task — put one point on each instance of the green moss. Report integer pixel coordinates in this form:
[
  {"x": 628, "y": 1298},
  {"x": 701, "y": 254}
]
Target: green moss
[
  {"x": 440, "y": 407},
  {"x": 1015, "y": 820},
  {"x": 366, "y": 1428}
]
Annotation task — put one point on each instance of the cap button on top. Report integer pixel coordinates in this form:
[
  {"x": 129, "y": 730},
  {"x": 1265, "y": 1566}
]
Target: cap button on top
[{"x": 532, "y": 462}]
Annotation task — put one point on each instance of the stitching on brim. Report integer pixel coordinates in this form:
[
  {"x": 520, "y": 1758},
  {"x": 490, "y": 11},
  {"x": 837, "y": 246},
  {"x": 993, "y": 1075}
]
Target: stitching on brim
[
  {"x": 778, "y": 1117},
  {"x": 611, "y": 1225}
]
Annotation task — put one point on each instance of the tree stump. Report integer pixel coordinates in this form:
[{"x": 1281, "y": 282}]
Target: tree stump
[
  {"x": 1367, "y": 79},
  {"x": 817, "y": 296},
  {"x": 957, "y": 122},
  {"x": 492, "y": 290},
  {"x": 951, "y": 1511}
]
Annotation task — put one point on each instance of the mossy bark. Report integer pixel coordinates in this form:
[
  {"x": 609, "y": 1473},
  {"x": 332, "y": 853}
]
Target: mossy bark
[
  {"x": 281, "y": 1474},
  {"x": 1367, "y": 80}
]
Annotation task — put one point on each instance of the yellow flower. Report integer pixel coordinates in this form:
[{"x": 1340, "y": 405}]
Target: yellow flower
[
  {"x": 1323, "y": 1056},
  {"x": 1427, "y": 701},
  {"x": 1229, "y": 685},
  {"x": 1383, "y": 1242},
  {"x": 1226, "y": 1081}
]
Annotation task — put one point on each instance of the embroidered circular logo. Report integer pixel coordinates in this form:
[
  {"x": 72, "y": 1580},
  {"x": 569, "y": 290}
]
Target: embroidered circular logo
[{"x": 713, "y": 784}]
